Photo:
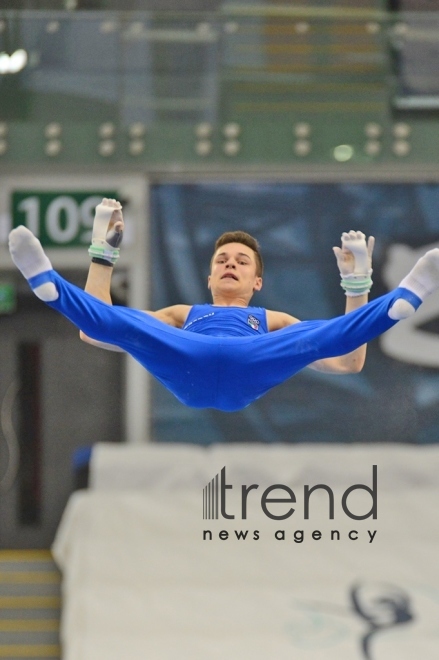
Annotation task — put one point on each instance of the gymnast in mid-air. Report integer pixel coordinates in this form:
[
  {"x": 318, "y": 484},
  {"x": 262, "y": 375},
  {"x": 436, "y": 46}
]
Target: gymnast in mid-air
[{"x": 227, "y": 354}]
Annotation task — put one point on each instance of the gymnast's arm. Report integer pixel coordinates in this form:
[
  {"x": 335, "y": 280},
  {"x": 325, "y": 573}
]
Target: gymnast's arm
[
  {"x": 98, "y": 285},
  {"x": 351, "y": 363},
  {"x": 354, "y": 260},
  {"x": 108, "y": 227}
]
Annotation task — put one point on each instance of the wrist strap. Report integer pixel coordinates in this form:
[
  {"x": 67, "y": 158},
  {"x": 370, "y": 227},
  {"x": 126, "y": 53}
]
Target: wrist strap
[
  {"x": 356, "y": 285},
  {"x": 102, "y": 250},
  {"x": 102, "y": 262}
]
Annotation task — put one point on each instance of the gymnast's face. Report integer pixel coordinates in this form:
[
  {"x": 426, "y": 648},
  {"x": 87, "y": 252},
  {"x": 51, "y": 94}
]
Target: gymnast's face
[{"x": 233, "y": 271}]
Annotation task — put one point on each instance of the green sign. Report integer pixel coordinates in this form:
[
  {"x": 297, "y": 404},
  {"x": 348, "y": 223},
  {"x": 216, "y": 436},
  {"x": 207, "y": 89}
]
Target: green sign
[{"x": 59, "y": 219}]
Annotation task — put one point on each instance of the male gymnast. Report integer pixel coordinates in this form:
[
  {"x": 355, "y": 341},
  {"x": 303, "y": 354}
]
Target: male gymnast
[{"x": 228, "y": 354}]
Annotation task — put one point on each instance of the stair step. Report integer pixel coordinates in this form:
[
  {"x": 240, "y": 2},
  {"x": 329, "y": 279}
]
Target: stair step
[{"x": 30, "y": 604}]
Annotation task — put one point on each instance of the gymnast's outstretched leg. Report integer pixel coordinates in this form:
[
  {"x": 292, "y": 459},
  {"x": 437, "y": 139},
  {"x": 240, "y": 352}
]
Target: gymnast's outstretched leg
[
  {"x": 348, "y": 332},
  {"x": 97, "y": 319},
  {"x": 177, "y": 359},
  {"x": 315, "y": 340}
]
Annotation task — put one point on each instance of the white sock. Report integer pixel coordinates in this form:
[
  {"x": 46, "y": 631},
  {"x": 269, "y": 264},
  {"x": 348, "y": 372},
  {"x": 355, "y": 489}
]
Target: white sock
[
  {"x": 422, "y": 280},
  {"x": 29, "y": 257},
  {"x": 401, "y": 309}
]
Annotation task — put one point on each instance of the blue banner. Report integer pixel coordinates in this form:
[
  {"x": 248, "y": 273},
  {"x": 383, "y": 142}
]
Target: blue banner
[{"x": 395, "y": 398}]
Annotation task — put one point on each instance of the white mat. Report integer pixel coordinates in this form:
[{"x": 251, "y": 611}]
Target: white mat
[{"x": 140, "y": 583}]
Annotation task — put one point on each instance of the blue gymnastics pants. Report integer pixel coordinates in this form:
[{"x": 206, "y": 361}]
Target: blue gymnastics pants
[{"x": 226, "y": 373}]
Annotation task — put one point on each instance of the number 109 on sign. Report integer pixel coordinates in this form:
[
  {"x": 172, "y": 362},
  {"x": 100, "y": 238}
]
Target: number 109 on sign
[{"x": 59, "y": 219}]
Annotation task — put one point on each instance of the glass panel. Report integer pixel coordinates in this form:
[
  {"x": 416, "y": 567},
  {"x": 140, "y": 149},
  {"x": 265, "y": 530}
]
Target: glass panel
[{"x": 250, "y": 83}]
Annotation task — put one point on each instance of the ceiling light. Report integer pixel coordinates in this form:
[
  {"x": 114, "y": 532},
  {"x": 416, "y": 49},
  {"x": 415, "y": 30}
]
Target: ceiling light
[
  {"x": 372, "y": 129},
  {"x": 401, "y": 148},
  {"x": 137, "y": 129},
  {"x": 203, "y": 147},
  {"x": 302, "y": 129},
  {"x": 372, "y": 147},
  {"x": 231, "y": 147},
  {"x": 302, "y": 147},
  {"x": 107, "y": 148},
  {"x": 13, "y": 63},
  {"x": 53, "y": 147},
  {"x": 53, "y": 130},
  {"x": 203, "y": 129},
  {"x": 106, "y": 130},
  {"x": 343, "y": 153},
  {"x": 401, "y": 130},
  {"x": 232, "y": 130},
  {"x": 52, "y": 27},
  {"x": 136, "y": 147}
]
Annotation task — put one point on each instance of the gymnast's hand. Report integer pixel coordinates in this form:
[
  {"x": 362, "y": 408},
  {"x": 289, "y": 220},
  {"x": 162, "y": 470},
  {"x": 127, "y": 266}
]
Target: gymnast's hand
[
  {"x": 355, "y": 255},
  {"x": 354, "y": 260},
  {"x": 116, "y": 225},
  {"x": 107, "y": 234}
]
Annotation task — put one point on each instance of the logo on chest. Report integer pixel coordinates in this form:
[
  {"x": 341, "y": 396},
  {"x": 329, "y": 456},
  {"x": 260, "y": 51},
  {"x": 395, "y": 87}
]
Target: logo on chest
[{"x": 253, "y": 322}]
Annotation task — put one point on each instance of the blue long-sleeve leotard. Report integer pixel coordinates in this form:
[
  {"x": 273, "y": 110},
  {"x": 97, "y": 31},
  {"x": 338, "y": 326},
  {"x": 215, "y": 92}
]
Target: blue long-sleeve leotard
[{"x": 223, "y": 357}]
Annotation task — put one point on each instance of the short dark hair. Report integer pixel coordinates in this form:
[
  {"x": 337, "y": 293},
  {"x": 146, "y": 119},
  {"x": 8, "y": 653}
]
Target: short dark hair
[{"x": 245, "y": 239}]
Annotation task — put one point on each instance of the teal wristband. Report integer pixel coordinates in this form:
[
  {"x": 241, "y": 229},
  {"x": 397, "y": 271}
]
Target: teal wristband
[
  {"x": 356, "y": 285},
  {"x": 104, "y": 252}
]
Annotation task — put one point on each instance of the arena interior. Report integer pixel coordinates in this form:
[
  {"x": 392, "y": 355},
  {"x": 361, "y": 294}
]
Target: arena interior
[{"x": 306, "y": 525}]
